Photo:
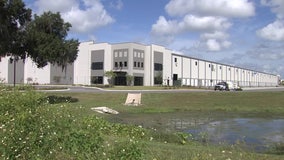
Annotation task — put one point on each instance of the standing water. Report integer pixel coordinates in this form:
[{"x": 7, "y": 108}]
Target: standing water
[{"x": 256, "y": 133}]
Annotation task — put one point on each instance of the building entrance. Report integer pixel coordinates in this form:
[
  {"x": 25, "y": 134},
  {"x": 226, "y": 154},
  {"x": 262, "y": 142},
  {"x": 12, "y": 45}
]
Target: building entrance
[
  {"x": 120, "y": 79},
  {"x": 138, "y": 81}
]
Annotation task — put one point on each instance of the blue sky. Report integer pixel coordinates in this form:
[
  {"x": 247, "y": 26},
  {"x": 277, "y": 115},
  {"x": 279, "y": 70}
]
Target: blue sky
[{"x": 246, "y": 33}]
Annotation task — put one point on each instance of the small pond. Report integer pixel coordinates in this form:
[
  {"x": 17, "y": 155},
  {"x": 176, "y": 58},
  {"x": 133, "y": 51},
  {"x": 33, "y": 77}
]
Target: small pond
[
  {"x": 250, "y": 131},
  {"x": 257, "y": 134}
]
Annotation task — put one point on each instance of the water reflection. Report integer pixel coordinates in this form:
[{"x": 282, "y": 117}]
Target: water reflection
[{"x": 257, "y": 133}]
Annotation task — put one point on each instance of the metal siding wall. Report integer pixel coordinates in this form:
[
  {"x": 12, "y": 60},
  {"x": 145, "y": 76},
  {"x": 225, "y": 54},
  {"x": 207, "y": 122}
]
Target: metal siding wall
[
  {"x": 59, "y": 76},
  {"x": 19, "y": 72},
  {"x": 186, "y": 71},
  {"x": 37, "y": 75},
  {"x": 4, "y": 69}
]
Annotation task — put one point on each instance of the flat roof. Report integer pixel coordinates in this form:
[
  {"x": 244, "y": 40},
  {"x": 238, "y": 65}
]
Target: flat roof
[{"x": 175, "y": 54}]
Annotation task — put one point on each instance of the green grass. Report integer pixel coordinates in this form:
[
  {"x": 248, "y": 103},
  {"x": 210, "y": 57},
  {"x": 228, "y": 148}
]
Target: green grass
[
  {"x": 144, "y": 87},
  {"x": 156, "y": 109},
  {"x": 262, "y": 103},
  {"x": 31, "y": 128}
]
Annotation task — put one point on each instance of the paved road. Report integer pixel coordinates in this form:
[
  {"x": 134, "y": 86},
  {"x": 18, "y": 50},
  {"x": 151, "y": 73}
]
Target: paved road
[
  {"x": 265, "y": 89},
  {"x": 81, "y": 89}
]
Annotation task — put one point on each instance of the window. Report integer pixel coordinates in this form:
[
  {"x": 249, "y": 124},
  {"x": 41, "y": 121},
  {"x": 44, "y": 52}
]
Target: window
[
  {"x": 115, "y": 64},
  {"x": 142, "y": 55},
  {"x": 158, "y": 67},
  {"x": 134, "y": 64},
  {"x": 138, "y": 64},
  {"x": 138, "y": 54},
  {"x": 97, "y": 65},
  {"x": 209, "y": 65},
  {"x": 120, "y": 54},
  {"x": 135, "y": 54},
  {"x": 175, "y": 59},
  {"x": 220, "y": 67},
  {"x": 115, "y": 54},
  {"x": 196, "y": 63},
  {"x": 142, "y": 65},
  {"x": 158, "y": 80},
  {"x": 212, "y": 68},
  {"x": 125, "y": 54},
  {"x": 120, "y": 64},
  {"x": 97, "y": 80},
  {"x": 125, "y": 64}
]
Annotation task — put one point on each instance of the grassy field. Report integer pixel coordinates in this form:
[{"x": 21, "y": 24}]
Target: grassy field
[
  {"x": 156, "y": 109},
  {"x": 143, "y": 87},
  {"x": 258, "y": 103},
  {"x": 62, "y": 126}
]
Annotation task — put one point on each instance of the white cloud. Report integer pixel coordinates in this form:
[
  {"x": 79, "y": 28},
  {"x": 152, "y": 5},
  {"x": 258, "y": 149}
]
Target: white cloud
[
  {"x": 217, "y": 45},
  {"x": 164, "y": 27},
  {"x": 117, "y": 4},
  {"x": 215, "y": 35},
  {"x": 276, "y": 5},
  {"x": 268, "y": 52},
  {"x": 273, "y": 31},
  {"x": 225, "y": 8},
  {"x": 206, "y": 23},
  {"x": 210, "y": 19},
  {"x": 226, "y": 44},
  {"x": 185, "y": 45},
  {"x": 216, "y": 41},
  {"x": 189, "y": 23},
  {"x": 54, "y": 5},
  {"x": 84, "y": 15},
  {"x": 213, "y": 45}
]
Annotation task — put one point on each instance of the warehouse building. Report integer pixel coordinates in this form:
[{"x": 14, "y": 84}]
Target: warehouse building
[
  {"x": 149, "y": 65},
  {"x": 26, "y": 72}
]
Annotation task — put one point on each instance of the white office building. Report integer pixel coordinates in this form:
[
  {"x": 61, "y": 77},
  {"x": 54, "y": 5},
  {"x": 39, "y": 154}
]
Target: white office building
[{"x": 149, "y": 65}]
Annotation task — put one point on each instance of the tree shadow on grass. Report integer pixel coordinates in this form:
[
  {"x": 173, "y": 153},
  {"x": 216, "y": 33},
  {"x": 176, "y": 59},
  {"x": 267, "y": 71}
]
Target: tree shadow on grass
[{"x": 61, "y": 99}]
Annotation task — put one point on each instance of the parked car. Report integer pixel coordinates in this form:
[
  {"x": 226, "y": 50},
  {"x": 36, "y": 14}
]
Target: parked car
[
  {"x": 221, "y": 86},
  {"x": 226, "y": 86}
]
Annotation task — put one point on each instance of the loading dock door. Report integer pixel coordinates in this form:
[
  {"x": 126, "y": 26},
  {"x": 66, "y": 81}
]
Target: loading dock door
[{"x": 175, "y": 77}]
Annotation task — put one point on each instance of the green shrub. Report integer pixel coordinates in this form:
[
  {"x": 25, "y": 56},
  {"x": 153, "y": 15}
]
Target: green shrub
[
  {"x": 4, "y": 87},
  {"x": 52, "y": 99},
  {"x": 31, "y": 128}
]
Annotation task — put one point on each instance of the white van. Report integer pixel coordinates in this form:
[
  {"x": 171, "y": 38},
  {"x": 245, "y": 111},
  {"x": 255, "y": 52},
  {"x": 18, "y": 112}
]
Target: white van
[
  {"x": 233, "y": 86},
  {"x": 226, "y": 86}
]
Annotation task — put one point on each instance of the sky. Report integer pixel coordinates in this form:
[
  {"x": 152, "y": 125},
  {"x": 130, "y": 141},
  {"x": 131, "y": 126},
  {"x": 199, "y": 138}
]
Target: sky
[{"x": 245, "y": 33}]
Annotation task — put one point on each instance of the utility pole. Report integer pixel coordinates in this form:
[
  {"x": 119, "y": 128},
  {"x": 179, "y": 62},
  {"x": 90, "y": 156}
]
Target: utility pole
[{"x": 14, "y": 72}]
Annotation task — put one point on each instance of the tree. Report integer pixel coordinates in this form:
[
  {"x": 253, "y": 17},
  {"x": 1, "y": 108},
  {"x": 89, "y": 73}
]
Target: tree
[
  {"x": 42, "y": 39},
  {"x": 47, "y": 41},
  {"x": 129, "y": 79},
  {"x": 14, "y": 19},
  {"x": 110, "y": 75}
]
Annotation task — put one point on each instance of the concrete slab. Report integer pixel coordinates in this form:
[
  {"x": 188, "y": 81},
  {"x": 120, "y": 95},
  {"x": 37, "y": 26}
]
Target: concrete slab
[{"x": 133, "y": 99}]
